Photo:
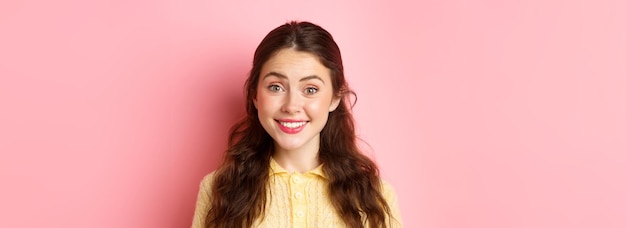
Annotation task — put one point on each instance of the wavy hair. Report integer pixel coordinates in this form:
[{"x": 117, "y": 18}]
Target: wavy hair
[{"x": 239, "y": 186}]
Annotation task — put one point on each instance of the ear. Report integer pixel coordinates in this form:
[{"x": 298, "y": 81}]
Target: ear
[
  {"x": 254, "y": 101},
  {"x": 334, "y": 103}
]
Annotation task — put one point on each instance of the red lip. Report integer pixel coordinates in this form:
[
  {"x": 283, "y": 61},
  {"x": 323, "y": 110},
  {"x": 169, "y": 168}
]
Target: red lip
[
  {"x": 291, "y": 130},
  {"x": 290, "y": 120}
]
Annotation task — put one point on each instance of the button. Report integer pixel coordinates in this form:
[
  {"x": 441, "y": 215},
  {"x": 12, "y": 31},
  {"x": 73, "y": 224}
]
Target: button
[
  {"x": 298, "y": 195},
  {"x": 297, "y": 180},
  {"x": 300, "y": 214}
]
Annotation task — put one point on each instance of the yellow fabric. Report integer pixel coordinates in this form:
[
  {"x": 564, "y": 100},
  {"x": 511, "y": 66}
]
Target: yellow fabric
[{"x": 295, "y": 200}]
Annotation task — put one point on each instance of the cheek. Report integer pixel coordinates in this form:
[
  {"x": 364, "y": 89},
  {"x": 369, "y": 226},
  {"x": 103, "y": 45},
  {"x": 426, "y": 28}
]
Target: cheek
[
  {"x": 265, "y": 105},
  {"x": 318, "y": 107}
]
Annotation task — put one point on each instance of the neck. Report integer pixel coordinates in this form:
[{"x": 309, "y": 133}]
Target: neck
[{"x": 296, "y": 160}]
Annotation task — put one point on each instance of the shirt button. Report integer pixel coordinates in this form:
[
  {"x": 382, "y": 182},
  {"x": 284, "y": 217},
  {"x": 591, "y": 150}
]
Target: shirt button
[
  {"x": 298, "y": 195},
  {"x": 300, "y": 214},
  {"x": 297, "y": 180}
]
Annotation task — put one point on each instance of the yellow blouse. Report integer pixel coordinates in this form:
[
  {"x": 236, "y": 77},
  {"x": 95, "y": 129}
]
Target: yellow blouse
[{"x": 297, "y": 200}]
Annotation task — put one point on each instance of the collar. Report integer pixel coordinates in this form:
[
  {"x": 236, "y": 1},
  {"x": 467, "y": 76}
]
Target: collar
[{"x": 276, "y": 169}]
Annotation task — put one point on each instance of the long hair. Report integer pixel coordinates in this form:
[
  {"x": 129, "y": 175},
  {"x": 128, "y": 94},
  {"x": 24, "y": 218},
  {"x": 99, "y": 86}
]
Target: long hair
[{"x": 240, "y": 184}]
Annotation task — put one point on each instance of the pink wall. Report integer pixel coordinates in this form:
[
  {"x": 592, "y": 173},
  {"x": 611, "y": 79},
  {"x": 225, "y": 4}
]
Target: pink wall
[{"x": 480, "y": 113}]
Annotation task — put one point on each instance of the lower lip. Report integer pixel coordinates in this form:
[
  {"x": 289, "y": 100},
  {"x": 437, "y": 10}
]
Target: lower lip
[{"x": 291, "y": 130}]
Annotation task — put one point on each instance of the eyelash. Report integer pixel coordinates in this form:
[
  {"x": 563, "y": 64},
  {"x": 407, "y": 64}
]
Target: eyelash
[
  {"x": 307, "y": 90},
  {"x": 275, "y": 88}
]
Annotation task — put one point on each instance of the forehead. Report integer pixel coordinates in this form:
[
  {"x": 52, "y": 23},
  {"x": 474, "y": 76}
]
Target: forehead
[{"x": 295, "y": 64}]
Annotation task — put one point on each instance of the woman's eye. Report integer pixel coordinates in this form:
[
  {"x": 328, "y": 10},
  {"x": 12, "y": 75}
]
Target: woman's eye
[
  {"x": 275, "y": 88},
  {"x": 310, "y": 90}
]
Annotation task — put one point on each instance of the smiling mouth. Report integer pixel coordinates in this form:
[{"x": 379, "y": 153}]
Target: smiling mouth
[{"x": 292, "y": 125}]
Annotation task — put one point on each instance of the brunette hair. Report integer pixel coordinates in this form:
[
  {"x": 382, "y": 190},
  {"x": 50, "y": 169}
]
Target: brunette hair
[{"x": 239, "y": 186}]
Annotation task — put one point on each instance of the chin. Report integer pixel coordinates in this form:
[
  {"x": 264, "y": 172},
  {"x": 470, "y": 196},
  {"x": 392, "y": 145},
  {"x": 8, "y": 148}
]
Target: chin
[{"x": 289, "y": 145}]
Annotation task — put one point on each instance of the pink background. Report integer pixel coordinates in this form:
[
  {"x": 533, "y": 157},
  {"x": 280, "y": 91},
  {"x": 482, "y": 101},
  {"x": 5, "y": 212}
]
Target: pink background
[{"x": 480, "y": 113}]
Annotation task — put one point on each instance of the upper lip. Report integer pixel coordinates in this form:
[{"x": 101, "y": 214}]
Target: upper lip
[{"x": 290, "y": 120}]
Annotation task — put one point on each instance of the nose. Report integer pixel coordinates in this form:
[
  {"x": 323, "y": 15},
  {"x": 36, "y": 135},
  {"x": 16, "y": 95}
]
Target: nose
[{"x": 293, "y": 103}]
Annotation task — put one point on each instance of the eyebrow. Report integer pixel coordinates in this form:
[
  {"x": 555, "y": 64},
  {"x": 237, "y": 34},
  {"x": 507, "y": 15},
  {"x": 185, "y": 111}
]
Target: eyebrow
[{"x": 310, "y": 77}]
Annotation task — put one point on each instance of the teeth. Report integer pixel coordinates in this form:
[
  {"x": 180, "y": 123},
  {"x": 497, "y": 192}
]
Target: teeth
[{"x": 293, "y": 124}]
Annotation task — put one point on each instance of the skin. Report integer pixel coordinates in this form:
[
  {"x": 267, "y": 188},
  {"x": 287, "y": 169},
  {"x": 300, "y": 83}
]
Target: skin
[{"x": 295, "y": 87}]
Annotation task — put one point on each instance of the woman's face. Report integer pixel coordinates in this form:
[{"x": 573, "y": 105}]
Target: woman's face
[{"x": 294, "y": 97}]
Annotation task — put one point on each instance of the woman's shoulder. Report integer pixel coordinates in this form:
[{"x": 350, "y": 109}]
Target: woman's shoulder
[
  {"x": 389, "y": 193},
  {"x": 203, "y": 201},
  {"x": 387, "y": 188},
  {"x": 207, "y": 181}
]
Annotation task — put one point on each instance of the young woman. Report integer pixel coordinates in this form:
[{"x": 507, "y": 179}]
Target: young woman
[{"x": 293, "y": 160}]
